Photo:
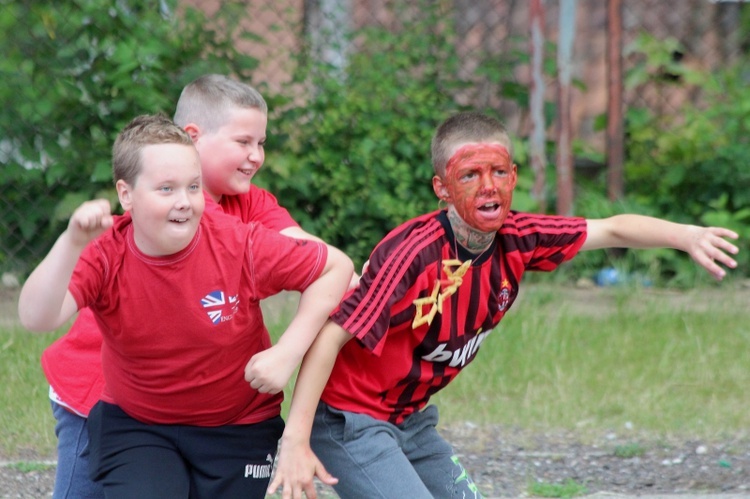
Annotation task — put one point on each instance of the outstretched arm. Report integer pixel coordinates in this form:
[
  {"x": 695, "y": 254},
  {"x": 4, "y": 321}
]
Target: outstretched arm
[
  {"x": 270, "y": 370},
  {"x": 297, "y": 465},
  {"x": 45, "y": 302},
  {"x": 707, "y": 246}
]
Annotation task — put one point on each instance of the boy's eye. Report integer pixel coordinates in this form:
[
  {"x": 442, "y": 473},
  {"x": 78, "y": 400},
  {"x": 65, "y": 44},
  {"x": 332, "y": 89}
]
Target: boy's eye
[
  {"x": 165, "y": 188},
  {"x": 195, "y": 187}
]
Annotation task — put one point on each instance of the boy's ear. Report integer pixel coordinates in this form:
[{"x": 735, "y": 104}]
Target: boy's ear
[
  {"x": 440, "y": 190},
  {"x": 124, "y": 194},
  {"x": 193, "y": 130}
]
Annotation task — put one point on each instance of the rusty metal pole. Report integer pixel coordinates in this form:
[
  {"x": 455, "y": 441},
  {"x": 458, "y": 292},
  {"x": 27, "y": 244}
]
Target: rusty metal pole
[
  {"x": 564, "y": 163},
  {"x": 537, "y": 138},
  {"x": 615, "y": 119}
]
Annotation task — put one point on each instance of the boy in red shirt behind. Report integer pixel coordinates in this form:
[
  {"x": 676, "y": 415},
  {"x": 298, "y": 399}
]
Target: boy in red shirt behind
[{"x": 192, "y": 397}]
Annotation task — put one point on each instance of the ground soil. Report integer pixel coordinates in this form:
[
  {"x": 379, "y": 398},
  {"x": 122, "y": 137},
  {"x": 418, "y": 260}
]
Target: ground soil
[{"x": 505, "y": 461}]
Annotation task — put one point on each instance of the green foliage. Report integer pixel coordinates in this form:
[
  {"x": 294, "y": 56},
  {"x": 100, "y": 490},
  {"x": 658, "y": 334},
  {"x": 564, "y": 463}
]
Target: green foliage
[
  {"x": 568, "y": 489},
  {"x": 31, "y": 466},
  {"x": 355, "y": 161},
  {"x": 691, "y": 166},
  {"x": 629, "y": 451},
  {"x": 73, "y": 74}
]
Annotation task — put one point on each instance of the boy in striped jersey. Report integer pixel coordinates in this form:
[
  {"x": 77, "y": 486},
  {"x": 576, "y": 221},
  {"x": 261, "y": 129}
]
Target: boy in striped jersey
[{"x": 435, "y": 287}]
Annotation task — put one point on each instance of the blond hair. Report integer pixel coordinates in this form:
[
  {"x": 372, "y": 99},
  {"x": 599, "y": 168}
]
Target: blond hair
[
  {"x": 208, "y": 100},
  {"x": 142, "y": 131},
  {"x": 464, "y": 128}
]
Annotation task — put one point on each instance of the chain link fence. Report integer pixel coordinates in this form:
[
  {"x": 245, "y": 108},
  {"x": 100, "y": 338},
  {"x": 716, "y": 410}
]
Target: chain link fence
[{"x": 701, "y": 34}]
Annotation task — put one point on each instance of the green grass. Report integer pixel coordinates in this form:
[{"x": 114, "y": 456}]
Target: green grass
[
  {"x": 659, "y": 362},
  {"x": 26, "y": 421},
  {"x": 628, "y": 451},
  {"x": 570, "y": 488},
  {"x": 655, "y": 361}
]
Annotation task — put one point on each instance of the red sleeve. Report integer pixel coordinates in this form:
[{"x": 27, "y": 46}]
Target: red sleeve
[
  {"x": 281, "y": 263},
  {"x": 258, "y": 205}
]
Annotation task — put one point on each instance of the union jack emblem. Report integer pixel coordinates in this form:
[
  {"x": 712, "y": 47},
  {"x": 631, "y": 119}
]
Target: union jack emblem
[{"x": 216, "y": 302}]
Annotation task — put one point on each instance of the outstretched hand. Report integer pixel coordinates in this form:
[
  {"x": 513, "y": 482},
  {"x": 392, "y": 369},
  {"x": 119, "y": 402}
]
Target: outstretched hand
[
  {"x": 89, "y": 220},
  {"x": 708, "y": 247},
  {"x": 296, "y": 470}
]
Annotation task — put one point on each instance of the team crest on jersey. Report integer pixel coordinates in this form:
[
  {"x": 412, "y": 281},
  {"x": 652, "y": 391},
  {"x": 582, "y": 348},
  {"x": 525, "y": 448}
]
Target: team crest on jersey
[
  {"x": 454, "y": 271},
  {"x": 219, "y": 306},
  {"x": 504, "y": 297}
]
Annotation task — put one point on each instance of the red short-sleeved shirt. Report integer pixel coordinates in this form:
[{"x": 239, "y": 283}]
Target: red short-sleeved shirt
[{"x": 72, "y": 364}]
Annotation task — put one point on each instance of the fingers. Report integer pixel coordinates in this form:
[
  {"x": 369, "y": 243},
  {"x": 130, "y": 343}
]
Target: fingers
[
  {"x": 326, "y": 477},
  {"x": 275, "y": 483},
  {"x": 714, "y": 249},
  {"x": 89, "y": 220},
  {"x": 292, "y": 492},
  {"x": 258, "y": 381}
]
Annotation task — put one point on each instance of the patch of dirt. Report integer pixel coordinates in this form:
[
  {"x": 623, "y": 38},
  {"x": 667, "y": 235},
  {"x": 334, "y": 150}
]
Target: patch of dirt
[{"x": 505, "y": 461}]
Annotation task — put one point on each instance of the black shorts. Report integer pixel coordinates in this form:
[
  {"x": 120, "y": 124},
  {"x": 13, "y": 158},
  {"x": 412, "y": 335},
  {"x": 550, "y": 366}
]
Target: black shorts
[{"x": 134, "y": 459}]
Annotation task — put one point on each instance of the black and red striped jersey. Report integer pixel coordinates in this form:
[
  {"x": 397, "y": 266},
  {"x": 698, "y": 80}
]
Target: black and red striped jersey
[{"x": 425, "y": 304}]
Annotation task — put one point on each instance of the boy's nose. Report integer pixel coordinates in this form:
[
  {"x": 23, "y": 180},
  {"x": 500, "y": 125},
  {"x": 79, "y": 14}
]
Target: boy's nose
[
  {"x": 488, "y": 183},
  {"x": 183, "y": 200},
  {"x": 254, "y": 154}
]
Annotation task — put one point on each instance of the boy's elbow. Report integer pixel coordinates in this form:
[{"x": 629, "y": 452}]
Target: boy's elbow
[
  {"x": 340, "y": 260},
  {"x": 34, "y": 321},
  {"x": 34, "y": 325}
]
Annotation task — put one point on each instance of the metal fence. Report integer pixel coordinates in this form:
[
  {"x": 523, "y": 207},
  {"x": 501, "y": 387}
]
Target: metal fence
[{"x": 704, "y": 34}]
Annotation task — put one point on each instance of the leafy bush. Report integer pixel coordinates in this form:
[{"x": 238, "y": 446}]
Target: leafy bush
[
  {"x": 355, "y": 161},
  {"x": 73, "y": 74},
  {"x": 691, "y": 166},
  {"x": 688, "y": 167}
]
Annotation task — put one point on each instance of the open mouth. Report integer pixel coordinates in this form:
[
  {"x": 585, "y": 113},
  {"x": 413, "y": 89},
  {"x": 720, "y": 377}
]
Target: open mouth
[
  {"x": 178, "y": 220},
  {"x": 489, "y": 207}
]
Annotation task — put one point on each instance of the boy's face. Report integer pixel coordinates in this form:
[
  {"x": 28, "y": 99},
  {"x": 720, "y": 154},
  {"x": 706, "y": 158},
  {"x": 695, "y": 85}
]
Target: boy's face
[
  {"x": 166, "y": 202},
  {"x": 479, "y": 181},
  {"x": 231, "y": 155}
]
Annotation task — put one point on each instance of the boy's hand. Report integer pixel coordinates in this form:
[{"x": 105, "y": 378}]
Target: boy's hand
[
  {"x": 708, "y": 248},
  {"x": 270, "y": 370},
  {"x": 89, "y": 220},
  {"x": 295, "y": 470}
]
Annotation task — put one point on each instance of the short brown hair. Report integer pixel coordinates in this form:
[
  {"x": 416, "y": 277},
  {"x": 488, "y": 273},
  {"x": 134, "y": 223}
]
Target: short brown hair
[
  {"x": 142, "y": 131},
  {"x": 207, "y": 100},
  {"x": 462, "y": 128}
]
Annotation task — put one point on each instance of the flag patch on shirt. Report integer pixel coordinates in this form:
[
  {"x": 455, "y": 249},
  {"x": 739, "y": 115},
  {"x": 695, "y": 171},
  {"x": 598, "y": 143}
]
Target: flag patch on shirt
[{"x": 220, "y": 307}]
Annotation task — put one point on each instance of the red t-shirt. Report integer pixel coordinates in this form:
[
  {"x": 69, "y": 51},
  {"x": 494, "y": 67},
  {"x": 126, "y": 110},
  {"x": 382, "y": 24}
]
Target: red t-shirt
[
  {"x": 422, "y": 310},
  {"x": 72, "y": 364},
  {"x": 179, "y": 330}
]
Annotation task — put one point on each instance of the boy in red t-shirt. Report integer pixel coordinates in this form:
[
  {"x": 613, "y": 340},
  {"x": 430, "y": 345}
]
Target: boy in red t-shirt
[
  {"x": 192, "y": 402},
  {"x": 435, "y": 287},
  {"x": 227, "y": 121}
]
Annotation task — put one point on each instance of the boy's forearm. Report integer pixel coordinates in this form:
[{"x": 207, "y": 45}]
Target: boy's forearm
[
  {"x": 313, "y": 375},
  {"x": 42, "y": 304},
  {"x": 638, "y": 231},
  {"x": 317, "y": 302},
  {"x": 632, "y": 231}
]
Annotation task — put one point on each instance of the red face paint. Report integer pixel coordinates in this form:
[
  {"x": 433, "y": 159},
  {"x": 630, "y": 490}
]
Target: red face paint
[{"x": 480, "y": 179}]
